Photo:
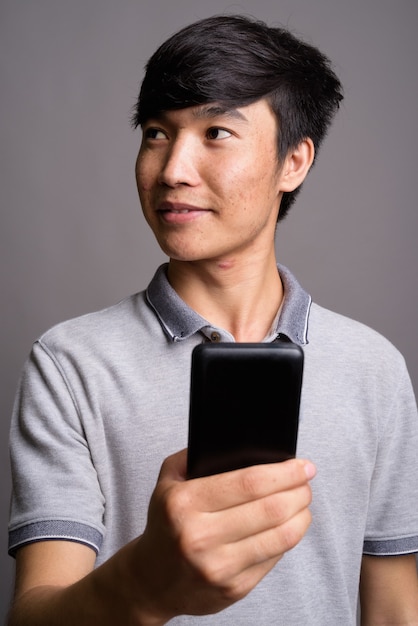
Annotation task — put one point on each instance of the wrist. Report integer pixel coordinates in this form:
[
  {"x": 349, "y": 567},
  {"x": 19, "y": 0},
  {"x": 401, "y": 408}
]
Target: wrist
[{"x": 143, "y": 594}]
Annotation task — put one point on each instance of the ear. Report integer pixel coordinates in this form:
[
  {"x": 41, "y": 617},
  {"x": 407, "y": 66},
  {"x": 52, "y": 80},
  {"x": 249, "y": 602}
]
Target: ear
[{"x": 296, "y": 165}]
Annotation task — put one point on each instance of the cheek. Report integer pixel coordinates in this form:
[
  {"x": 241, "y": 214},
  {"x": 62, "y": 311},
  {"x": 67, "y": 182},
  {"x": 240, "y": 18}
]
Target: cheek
[
  {"x": 143, "y": 186},
  {"x": 251, "y": 184},
  {"x": 143, "y": 173},
  {"x": 264, "y": 176},
  {"x": 232, "y": 179},
  {"x": 144, "y": 190},
  {"x": 245, "y": 182}
]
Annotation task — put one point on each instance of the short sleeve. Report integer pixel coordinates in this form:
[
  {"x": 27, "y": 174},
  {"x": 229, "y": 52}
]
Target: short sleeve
[
  {"x": 392, "y": 524},
  {"x": 55, "y": 489}
]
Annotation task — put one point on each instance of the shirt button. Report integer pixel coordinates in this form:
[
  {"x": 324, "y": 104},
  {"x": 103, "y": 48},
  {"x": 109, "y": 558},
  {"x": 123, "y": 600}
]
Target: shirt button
[{"x": 215, "y": 336}]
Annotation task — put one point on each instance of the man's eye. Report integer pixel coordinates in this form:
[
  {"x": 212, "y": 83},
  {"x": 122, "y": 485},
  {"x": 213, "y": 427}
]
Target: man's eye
[
  {"x": 154, "y": 133},
  {"x": 218, "y": 133}
]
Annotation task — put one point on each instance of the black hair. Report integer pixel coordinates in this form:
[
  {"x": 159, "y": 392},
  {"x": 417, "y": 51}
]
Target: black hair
[{"x": 236, "y": 61}]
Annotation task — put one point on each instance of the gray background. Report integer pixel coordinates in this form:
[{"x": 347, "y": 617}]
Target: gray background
[{"x": 72, "y": 237}]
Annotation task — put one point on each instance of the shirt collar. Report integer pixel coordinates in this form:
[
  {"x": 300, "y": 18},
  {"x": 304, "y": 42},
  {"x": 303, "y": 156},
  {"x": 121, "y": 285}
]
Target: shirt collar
[
  {"x": 179, "y": 321},
  {"x": 293, "y": 321}
]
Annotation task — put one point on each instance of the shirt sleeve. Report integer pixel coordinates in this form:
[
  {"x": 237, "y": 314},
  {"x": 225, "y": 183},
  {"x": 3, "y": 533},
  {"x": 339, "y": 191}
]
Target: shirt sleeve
[
  {"x": 392, "y": 524},
  {"x": 55, "y": 489}
]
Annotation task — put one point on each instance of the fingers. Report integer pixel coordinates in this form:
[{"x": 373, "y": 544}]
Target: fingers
[
  {"x": 273, "y": 542},
  {"x": 230, "y": 489},
  {"x": 249, "y": 533},
  {"x": 258, "y": 516},
  {"x": 256, "y": 556},
  {"x": 235, "y": 569},
  {"x": 241, "y": 518},
  {"x": 252, "y": 483}
]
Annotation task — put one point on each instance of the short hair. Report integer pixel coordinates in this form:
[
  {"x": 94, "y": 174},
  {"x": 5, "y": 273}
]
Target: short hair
[{"x": 235, "y": 60}]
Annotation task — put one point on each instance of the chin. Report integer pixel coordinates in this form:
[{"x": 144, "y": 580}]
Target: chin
[
  {"x": 181, "y": 252},
  {"x": 185, "y": 258}
]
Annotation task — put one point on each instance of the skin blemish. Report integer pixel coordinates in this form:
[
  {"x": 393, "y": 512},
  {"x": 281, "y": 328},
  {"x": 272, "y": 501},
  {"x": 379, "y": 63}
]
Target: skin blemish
[{"x": 226, "y": 264}]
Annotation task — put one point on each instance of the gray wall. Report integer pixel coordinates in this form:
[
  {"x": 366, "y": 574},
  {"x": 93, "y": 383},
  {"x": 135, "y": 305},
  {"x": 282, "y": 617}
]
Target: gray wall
[{"x": 72, "y": 237}]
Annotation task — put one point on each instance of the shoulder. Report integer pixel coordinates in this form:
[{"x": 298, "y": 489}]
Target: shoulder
[
  {"x": 115, "y": 323},
  {"x": 351, "y": 342},
  {"x": 347, "y": 331}
]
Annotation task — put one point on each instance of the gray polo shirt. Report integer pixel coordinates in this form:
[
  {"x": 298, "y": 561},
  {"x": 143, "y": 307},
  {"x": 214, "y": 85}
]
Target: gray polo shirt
[{"x": 103, "y": 399}]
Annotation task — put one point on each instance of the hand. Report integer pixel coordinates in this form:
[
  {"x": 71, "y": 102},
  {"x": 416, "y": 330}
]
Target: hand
[{"x": 209, "y": 541}]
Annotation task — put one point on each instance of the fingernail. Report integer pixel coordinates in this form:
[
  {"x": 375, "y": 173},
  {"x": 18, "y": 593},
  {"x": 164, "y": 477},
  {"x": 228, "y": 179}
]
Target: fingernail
[{"x": 310, "y": 470}]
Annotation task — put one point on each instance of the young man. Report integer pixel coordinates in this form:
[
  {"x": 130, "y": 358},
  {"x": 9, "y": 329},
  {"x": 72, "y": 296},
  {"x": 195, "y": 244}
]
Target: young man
[{"x": 232, "y": 112}]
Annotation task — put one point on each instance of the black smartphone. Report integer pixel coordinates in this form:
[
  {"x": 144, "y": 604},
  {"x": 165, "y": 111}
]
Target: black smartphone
[{"x": 244, "y": 405}]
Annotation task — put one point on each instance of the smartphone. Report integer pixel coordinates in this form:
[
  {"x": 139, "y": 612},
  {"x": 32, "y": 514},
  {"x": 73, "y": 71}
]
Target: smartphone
[{"x": 244, "y": 405}]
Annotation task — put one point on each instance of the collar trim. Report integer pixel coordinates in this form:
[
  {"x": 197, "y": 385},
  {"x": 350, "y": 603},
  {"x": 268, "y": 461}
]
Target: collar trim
[{"x": 180, "y": 322}]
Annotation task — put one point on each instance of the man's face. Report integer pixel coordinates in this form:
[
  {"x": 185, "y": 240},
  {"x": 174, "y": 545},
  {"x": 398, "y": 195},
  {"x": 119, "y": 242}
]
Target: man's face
[{"x": 209, "y": 181}]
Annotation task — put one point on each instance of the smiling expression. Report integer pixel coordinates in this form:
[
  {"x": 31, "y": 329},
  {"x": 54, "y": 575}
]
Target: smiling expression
[{"x": 209, "y": 181}]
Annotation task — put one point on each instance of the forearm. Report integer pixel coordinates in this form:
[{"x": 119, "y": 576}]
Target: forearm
[
  {"x": 389, "y": 591},
  {"x": 106, "y": 596}
]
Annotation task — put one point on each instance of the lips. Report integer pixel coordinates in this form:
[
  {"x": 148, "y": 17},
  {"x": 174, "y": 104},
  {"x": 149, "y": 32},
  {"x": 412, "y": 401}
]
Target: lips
[
  {"x": 179, "y": 212},
  {"x": 178, "y": 207}
]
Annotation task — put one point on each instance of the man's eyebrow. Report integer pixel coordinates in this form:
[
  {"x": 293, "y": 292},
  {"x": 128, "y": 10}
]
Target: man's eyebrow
[
  {"x": 218, "y": 110},
  {"x": 204, "y": 111}
]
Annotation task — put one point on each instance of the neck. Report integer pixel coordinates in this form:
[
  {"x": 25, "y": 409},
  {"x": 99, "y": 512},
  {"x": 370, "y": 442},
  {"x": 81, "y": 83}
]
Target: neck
[{"x": 240, "y": 298}]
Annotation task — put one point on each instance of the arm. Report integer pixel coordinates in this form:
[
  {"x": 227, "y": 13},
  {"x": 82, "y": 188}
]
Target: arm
[
  {"x": 389, "y": 591},
  {"x": 196, "y": 555}
]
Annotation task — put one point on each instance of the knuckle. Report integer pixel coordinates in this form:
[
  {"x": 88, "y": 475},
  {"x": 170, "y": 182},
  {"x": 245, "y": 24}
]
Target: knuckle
[
  {"x": 290, "y": 537},
  {"x": 274, "y": 509},
  {"x": 214, "y": 574},
  {"x": 304, "y": 496},
  {"x": 217, "y": 571},
  {"x": 221, "y": 575},
  {"x": 280, "y": 507},
  {"x": 176, "y": 503},
  {"x": 293, "y": 532},
  {"x": 250, "y": 481},
  {"x": 193, "y": 541},
  {"x": 173, "y": 503},
  {"x": 235, "y": 590}
]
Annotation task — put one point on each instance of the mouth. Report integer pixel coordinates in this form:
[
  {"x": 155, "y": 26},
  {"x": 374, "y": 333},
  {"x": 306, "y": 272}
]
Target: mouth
[{"x": 179, "y": 212}]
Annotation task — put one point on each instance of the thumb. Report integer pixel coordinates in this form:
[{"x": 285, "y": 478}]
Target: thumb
[{"x": 174, "y": 467}]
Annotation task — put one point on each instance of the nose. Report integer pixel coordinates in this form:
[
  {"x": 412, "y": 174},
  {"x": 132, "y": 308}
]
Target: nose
[{"x": 180, "y": 166}]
